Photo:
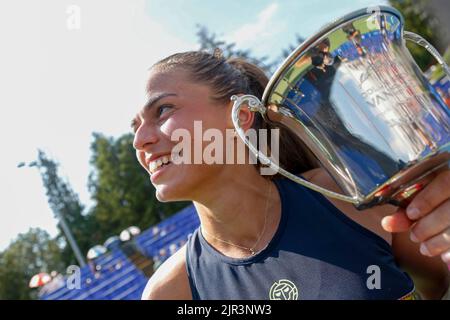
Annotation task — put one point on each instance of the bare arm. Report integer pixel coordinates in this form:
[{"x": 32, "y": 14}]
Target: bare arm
[{"x": 170, "y": 281}]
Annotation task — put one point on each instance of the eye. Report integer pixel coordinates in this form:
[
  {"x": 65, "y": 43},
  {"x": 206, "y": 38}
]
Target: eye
[
  {"x": 163, "y": 109},
  {"x": 134, "y": 125}
]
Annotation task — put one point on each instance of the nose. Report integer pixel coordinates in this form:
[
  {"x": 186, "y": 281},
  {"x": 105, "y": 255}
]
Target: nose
[{"x": 145, "y": 136}]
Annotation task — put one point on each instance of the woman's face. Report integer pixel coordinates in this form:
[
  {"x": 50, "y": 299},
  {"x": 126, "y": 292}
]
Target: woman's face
[{"x": 175, "y": 102}]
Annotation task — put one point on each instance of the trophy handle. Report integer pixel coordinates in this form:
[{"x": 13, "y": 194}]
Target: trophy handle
[
  {"x": 419, "y": 40},
  {"x": 255, "y": 105}
]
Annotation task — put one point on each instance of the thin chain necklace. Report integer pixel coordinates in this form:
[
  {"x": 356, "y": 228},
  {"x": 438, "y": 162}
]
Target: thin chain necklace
[{"x": 252, "y": 249}]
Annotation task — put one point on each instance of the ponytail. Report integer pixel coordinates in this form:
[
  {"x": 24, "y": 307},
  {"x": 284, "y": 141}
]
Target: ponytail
[{"x": 294, "y": 156}]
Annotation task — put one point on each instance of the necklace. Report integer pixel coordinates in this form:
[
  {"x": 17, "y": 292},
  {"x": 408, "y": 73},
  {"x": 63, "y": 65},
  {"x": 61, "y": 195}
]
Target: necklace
[{"x": 252, "y": 249}]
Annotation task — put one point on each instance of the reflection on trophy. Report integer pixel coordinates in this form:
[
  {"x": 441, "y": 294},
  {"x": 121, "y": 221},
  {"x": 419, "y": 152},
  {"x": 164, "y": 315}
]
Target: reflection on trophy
[{"x": 355, "y": 96}]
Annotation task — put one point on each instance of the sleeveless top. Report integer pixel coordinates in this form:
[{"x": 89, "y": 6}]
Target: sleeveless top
[{"x": 317, "y": 252}]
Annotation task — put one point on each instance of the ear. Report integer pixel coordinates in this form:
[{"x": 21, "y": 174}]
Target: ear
[{"x": 246, "y": 117}]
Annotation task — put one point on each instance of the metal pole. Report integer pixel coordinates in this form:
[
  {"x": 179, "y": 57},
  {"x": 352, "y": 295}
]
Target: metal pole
[{"x": 73, "y": 244}]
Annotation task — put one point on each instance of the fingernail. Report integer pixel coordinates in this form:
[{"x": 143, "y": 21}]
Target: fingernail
[
  {"x": 424, "y": 250},
  {"x": 446, "y": 257},
  {"x": 413, "y": 212},
  {"x": 413, "y": 237}
]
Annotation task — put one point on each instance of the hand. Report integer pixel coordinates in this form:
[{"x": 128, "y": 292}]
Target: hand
[{"x": 427, "y": 218}]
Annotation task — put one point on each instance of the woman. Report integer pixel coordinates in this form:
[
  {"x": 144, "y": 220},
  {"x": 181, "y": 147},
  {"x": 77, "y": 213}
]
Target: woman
[{"x": 265, "y": 237}]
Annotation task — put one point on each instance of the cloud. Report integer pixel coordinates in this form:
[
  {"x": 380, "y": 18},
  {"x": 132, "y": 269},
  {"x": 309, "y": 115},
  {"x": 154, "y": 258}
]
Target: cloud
[{"x": 252, "y": 33}]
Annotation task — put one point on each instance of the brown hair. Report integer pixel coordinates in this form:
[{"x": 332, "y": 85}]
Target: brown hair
[{"x": 227, "y": 77}]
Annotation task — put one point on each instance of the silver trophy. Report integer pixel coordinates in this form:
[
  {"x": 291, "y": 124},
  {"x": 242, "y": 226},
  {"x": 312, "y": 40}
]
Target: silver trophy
[{"x": 356, "y": 98}]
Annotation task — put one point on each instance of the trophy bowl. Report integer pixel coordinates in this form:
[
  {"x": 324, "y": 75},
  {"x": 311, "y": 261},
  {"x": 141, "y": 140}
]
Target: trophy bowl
[{"x": 353, "y": 94}]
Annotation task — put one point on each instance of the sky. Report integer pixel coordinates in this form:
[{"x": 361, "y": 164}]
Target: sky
[{"x": 71, "y": 68}]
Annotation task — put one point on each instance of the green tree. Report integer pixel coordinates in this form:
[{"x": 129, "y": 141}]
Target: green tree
[
  {"x": 29, "y": 254},
  {"x": 121, "y": 188}
]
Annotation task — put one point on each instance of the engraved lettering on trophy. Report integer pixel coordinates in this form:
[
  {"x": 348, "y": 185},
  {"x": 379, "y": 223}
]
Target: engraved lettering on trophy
[{"x": 376, "y": 96}]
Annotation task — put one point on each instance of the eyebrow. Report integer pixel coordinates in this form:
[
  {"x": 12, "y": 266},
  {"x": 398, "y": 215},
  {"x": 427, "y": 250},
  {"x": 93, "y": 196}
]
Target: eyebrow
[{"x": 153, "y": 100}]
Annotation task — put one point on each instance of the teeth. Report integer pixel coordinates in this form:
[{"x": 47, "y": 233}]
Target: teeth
[{"x": 154, "y": 165}]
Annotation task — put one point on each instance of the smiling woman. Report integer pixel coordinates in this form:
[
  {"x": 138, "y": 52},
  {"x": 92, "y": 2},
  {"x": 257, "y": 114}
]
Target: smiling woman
[{"x": 257, "y": 230}]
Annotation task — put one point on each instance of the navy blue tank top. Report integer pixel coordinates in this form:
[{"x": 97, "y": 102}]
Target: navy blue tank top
[{"x": 317, "y": 252}]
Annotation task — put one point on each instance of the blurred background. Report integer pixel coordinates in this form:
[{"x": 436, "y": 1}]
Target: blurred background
[{"x": 79, "y": 218}]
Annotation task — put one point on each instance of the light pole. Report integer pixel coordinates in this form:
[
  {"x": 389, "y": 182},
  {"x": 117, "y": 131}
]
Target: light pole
[{"x": 68, "y": 234}]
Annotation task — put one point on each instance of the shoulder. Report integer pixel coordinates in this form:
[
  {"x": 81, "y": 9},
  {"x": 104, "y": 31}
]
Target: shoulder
[
  {"x": 369, "y": 218},
  {"x": 170, "y": 281}
]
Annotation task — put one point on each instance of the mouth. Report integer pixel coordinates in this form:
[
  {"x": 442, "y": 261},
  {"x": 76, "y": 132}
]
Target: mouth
[
  {"x": 156, "y": 165},
  {"x": 159, "y": 163}
]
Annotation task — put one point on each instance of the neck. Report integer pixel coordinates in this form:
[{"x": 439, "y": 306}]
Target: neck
[{"x": 238, "y": 210}]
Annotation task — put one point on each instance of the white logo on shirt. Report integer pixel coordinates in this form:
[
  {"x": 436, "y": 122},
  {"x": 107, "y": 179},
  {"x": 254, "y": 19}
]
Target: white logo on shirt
[{"x": 283, "y": 290}]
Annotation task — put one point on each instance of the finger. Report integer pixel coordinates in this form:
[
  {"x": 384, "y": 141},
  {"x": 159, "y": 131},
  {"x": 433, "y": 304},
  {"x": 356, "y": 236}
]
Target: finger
[
  {"x": 432, "y": 224},
  {"x": 436, "y": 245},
  {"x": 397, "y": 222},
  {"x": 436, "y": 192}
]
